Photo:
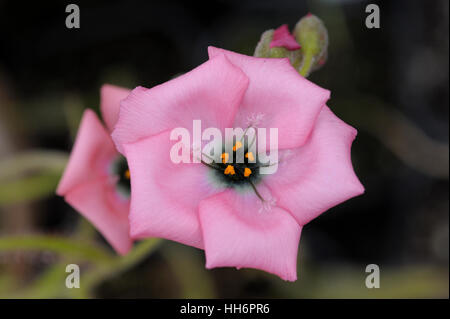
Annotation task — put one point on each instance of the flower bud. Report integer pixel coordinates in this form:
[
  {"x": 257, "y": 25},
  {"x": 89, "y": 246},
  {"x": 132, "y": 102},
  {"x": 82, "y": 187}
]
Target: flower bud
[
  {"x": 263, "y": 49},
  {"x": 312, "y": 39},
  {"x": 312, "y": 35}
]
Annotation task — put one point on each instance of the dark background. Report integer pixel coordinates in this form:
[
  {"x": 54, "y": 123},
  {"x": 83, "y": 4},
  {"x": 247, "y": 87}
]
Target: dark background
[{"x": 389, "y": 83}]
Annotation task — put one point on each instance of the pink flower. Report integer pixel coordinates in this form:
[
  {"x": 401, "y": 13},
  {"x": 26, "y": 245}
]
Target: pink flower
[
  {"x": 283, "y": 38},
  {"x": 236, "y": 225},
  {"x": 93, "y": 181}
]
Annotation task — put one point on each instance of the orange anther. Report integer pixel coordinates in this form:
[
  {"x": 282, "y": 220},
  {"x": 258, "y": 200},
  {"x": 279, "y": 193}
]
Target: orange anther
[
  {"x": 225, "y": 157},
  {"x": 250, "y": 156},
  {"x": 237, "y": 146},
  {"x": 229, "y": 170}
]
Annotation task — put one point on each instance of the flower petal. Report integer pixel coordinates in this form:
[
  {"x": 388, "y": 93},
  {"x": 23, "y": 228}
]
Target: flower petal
[
  {"x": 236, "y": 234},
  {"x": 283, "y": 38},
  {"x": 91, "y": 154},
  {"x": 165, "y": 195},
  {"x": 98, "y": 202},
  {"x": 318, "y": 175},
  {"x": 110, "y": 97},
  {"x": 212, "y": 92},
  {"x": 87, "y": 186},
  {"x": 285, "y": 99}
]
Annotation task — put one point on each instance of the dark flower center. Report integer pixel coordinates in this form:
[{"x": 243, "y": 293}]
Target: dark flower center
[
  {"x": 237, "y": 168},
  {"x": 121, "y": 170}
]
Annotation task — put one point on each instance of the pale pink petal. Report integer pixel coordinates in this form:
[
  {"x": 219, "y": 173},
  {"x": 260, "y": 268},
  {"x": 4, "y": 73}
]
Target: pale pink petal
[
  {"x": 87, "y": 186},
  {"x": 276, "y": 91},
  {"x": 211, "y": 92},
  {"x": 110, "y": 97},
  {"x": 237, "y": 233},
  {"x": 98, "y": 202},
  {"x": 164, "y": 195},
  {"x": 91, "y": 154},
  {"x": 318, "y": 175},
  {"x": 283, "y": 38}
]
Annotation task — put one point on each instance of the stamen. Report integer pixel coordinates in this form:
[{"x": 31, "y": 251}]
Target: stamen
[
  {"x": 238, "y": 172},
  {"x": 212, "y": 166},
  {"x": 127, "y": 174},
  {"x": 256, "y": 191},
  {"x": 225, "y": 157},
  {"x": 246, "y": 130},
  {"x": 210, "y": 158},
  {"x": 267, "y": 205},
  {"x": 229, "y": 170},
  {"x": 237, "y": 146},
  {"x": 250, "y": 156},
  {"x": 255, "y": 119}
]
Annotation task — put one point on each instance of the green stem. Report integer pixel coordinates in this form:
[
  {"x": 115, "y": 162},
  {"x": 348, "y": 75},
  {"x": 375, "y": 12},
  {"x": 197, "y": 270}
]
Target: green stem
[
  {"x": 30, "y": 175},
  {"x": 119, "y": 265},
  {"x": 31, "y": 161},
  {"x": 61, "y": 245},
  {"x": 308, "y": 62}
]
